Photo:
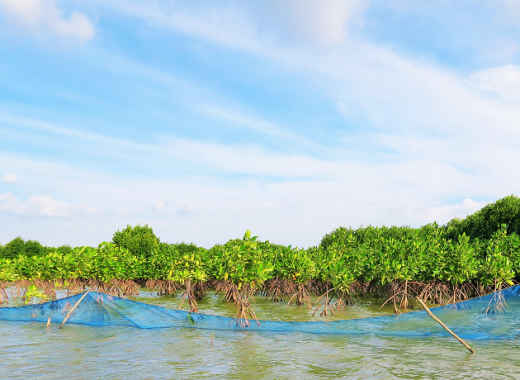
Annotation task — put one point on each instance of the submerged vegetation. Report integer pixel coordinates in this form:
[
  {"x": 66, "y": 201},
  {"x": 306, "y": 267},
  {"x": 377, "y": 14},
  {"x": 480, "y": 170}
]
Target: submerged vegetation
[{"x": 441, "y": 264}]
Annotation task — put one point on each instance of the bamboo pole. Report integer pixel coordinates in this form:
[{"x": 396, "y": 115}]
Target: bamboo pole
[
  {"x": 434, "y": 317},
  {"x": 72, "y": 309}
]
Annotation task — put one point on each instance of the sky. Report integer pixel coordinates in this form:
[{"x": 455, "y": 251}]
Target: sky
[{"x": 289, "y": 118}]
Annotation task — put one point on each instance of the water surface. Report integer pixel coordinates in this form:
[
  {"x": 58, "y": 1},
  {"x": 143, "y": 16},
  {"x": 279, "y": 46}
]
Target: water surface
[{"x": 31, "y": 350}]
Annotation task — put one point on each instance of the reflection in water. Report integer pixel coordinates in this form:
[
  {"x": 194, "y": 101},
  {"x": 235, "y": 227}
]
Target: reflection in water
[{"x": 78, "y": 352}]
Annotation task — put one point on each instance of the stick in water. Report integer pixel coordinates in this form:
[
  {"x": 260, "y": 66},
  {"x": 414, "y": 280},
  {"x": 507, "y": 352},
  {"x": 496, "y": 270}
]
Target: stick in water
[
  {"x": 444, "y": 326},
  {"x": 73, "y": 308}
]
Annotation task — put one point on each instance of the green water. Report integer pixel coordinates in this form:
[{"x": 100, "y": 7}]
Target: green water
[{"x": 29, "y": 350}]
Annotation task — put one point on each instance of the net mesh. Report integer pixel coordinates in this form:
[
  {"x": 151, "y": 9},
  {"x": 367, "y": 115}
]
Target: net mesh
[{"x": 492, "y": 317}]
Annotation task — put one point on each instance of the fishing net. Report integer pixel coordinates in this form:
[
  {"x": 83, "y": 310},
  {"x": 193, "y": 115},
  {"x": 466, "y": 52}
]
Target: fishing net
[{"x": 491, "y": 317}]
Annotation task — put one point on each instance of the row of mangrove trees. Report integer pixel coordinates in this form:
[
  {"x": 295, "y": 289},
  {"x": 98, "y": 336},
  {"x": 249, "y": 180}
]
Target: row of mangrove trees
[{"x": 441, "y": 264}]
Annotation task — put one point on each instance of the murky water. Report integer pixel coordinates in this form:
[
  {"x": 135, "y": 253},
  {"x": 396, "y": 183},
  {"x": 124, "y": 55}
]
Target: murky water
[{"x": 29, "y": 350}]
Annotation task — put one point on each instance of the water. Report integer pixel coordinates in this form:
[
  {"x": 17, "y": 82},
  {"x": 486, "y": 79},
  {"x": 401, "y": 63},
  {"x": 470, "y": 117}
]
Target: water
[{"x": 30, "y": 350}]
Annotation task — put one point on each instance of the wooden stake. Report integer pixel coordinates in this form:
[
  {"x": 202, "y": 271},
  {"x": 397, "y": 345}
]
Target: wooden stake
[
  {"x": 72, "y": 310},
  {"x": 444, "y": 326}
]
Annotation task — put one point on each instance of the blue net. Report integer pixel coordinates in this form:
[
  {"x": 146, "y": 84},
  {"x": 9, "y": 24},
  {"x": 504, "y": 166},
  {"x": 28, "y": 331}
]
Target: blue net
[{"x": 492, "y": 317}]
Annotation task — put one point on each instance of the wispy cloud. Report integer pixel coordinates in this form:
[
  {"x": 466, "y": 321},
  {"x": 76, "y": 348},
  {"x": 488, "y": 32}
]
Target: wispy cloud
[
  {"x": 388, "y": 90},
  {"x": 44, "y": 16},
  {"x": 240, "y": 159},
  {"x": 446, "y": 140},
  {"x": 203, "y": 22},
  {"x": 252, "y": 122}
]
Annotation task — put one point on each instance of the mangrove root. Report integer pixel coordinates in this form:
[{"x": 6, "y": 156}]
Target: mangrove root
[
  {"x": 163, "y": 287},
  {"x": 189, "y": 296},
  {"x": 327, "y": 305},
  {"x": 301, "y": 297}
]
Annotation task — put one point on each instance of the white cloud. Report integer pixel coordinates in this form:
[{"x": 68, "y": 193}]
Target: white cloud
[
  {"x": 9, "y": 178},
  {"x": 47, "y": 206},
  {"x": 34, "y": 206},
  {"x": 502, "y": 82},
  {"x": 45, "y": 16},
  {"x": 444, "y": 213},
  {"x": 324, "y": 22}
]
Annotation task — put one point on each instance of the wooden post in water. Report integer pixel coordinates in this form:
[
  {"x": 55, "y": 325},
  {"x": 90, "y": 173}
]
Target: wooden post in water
[
  {"x": 72, "y": 309},
  {"x": 444, "y": 326}
]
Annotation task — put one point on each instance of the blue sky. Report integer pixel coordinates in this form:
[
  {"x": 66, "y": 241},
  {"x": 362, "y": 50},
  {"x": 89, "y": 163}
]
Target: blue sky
[{"x": 289, "y": 118}]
